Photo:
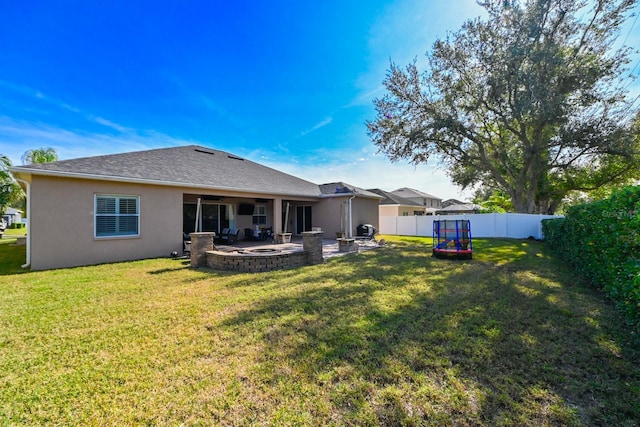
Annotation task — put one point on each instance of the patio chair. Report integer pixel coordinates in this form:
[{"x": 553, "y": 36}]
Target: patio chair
[
  {"x": 248, "y": 234},
  {"x": 229, "y": 235},
  {"x": 233, "y": 235},
  {"x": 186, "y": 244},
  {"x": 267, "y": 233},
  {"x": 224, "y": 235}
]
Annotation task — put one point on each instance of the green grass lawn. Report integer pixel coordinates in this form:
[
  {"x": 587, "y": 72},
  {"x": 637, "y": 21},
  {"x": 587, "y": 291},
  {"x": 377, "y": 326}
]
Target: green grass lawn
[
  {"x": 385, "y": 337},
  {"x": 11, "y": 257},
  {"x": 14, "y": 232}
]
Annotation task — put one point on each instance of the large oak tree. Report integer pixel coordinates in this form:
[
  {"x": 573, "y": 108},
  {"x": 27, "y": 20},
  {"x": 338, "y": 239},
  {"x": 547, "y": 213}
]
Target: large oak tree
[{"x": 530, "y": 102}]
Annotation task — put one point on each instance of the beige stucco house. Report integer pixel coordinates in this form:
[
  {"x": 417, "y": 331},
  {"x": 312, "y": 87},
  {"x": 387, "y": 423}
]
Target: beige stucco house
[
  {"x": 460, "y": 208},
  {"x": 353, "y": 206},
  {"x": 430, "y": 202},
  {"x": 12, "y": 216},
  {"x": 138, "y": 205},
  {"x": 393, "y": 205}
]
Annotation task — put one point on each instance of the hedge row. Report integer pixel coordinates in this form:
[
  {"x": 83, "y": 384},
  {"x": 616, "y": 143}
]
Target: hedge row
[{"x": 602, "y": 241}]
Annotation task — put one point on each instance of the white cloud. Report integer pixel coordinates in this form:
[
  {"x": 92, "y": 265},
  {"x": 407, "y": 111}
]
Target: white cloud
[
  {"x": 372, "y": 171},
  {"x": 406, "y": 30},
  {"x": 366, "y": 97},
  {"x": 36, "y": 94},
  {"x": 221, "y": 111},
  {"x": 110, "y": 124},
  {"x": 362, "y": 168},
  {"x": 18, "y": 137},
  {"x": 319, "y": 125}
]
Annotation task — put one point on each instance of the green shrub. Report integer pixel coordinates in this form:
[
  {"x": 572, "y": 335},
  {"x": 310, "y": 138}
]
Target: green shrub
[
  {"x": 17, "y": 225},
  {"x": 602, "y": 241}
]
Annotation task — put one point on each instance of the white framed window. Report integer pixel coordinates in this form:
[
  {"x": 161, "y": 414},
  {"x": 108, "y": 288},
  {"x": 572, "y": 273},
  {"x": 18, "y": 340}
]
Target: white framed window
[
  {"x": 260, "y": 215},
  {"x": 116, "y": 215}
]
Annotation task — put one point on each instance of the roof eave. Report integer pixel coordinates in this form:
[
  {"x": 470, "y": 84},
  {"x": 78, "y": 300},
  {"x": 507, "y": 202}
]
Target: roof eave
[
  {"x": 62, "y": 174},
  {"x": 366, "y": 196}
]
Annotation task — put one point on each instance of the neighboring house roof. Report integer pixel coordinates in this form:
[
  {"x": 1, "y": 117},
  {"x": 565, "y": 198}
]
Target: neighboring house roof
[
  {"x": 189, "y": 166},
  {"x": 341, "y": 188},
  {"x": 464, "y": 207},
  {"x": 450, "y": 202},
  {"x": 392, "y": 199},
  {"x": 409, "y": 193},
  {"x": 12, "y": 211}
]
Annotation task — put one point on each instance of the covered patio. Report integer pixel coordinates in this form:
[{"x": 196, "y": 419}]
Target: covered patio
[{"x": 247, "y": 218}]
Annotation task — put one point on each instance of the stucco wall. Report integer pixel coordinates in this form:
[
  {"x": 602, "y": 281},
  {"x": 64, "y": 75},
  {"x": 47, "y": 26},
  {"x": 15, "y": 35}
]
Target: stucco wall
[
  {"x": 365, "y": 211},
  {"x": 389, "y": 210},
  {"x": 396, "y": 210},
  {"x": 326, "y": 214},
  {"x": 246, "y": 221},
  {"x": 62, "y": 223}
]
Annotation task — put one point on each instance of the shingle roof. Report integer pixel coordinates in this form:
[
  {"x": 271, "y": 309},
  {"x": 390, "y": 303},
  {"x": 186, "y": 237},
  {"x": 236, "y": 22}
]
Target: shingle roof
[
  {"x": 338, "y": 188},
  {"x": 410, "y": 192},
  {"x": 465, "y": 207},
  {"x": 392, "y": 199},
  {"x": 190, "y": 165},
  {"x": 450, "y": 202}
]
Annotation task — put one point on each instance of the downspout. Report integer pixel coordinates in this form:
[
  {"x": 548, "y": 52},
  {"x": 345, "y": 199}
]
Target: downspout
[
  {"x": 350, "y": 235},
  {"x": 27, "y": 264}
]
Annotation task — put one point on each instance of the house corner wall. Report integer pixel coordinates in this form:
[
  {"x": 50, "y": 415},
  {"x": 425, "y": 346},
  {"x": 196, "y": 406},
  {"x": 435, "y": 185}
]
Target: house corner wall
[
  {"x": 365, "y": 211},
  {"x": 62, "y": 223}
]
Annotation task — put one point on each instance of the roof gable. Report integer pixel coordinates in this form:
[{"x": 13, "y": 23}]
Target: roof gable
[
  {"x": 392, "y": 199},
  {"x": 339, "y": 188},
  {"x": 450, "y": 202},
  {"x": 464, "y": 207},
  {"x": 409, "y": 193}
]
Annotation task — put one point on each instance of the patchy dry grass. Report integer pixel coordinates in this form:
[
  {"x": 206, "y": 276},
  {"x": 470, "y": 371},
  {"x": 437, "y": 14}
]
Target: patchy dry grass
[{"x": 386, "y": 337}]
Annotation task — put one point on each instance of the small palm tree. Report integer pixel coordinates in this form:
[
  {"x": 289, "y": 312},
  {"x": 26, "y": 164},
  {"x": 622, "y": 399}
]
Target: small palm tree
[
  {"x": 10, "y": 191},
  {"x": 39, "y": 155},
  {"x": 5, "y": 164}
]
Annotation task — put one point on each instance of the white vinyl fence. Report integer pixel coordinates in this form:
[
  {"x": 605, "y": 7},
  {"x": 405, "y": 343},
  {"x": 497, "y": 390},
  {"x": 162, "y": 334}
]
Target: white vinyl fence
[{"x": 509, "y": 225}]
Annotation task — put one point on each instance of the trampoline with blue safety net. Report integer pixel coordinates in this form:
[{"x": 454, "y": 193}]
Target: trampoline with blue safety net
[{"x": 452, "y": 239}]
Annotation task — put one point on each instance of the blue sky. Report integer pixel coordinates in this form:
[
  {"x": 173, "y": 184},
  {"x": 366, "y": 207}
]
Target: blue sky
[{"x": 287, "y": 84}]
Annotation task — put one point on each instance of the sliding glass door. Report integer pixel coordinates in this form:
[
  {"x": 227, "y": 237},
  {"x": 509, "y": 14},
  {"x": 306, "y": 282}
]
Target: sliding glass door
[
  {"x": 303, "y": 219},
  {"x": 213, "y": 217}
]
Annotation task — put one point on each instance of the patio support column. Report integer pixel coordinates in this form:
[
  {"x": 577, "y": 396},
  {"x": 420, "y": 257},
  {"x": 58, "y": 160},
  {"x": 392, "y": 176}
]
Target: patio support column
[
  {"x": 312, "y": 244},
  {"x": 277, "y": 216},
  {"x": 200, "y": 244}
]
